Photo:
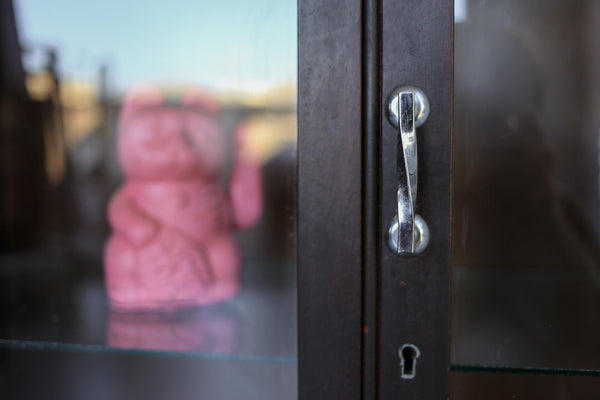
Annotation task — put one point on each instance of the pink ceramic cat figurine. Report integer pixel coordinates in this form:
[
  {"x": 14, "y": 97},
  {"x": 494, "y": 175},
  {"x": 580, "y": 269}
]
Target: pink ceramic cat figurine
[{"x": 173, "y": 223}]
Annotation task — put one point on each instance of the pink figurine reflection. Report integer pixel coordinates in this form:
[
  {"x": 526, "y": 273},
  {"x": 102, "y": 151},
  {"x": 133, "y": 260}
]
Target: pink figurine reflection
[
  {"x": 173, "y": 223},
  {"x": 205, "y": 331}
]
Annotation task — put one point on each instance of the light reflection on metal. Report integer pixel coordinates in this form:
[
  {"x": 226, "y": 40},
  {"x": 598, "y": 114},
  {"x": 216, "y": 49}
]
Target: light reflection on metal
[
  {"x": 408, "y": 233},
  {"x": 421, "y": 106}
]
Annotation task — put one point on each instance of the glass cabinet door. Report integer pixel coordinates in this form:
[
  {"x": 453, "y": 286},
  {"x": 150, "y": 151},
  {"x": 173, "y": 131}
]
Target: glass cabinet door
[
  {"x": 525, "y": 199},
  {"x": 526, "y": 232},
  {"x": 147, "y": 203},
  {"x": 196, "y": 199}
]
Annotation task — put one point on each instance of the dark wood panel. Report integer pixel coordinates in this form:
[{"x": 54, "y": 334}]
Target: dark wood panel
[
  {"x": 329, "y": 194},
  {"x": 501, "y": 385},
  {"x": 417, "y": 50}
]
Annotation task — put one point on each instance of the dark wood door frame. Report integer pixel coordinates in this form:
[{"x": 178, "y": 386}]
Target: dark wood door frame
[
  {"x": 329, "y": 199},
  {"x": 358, "y": 303}
]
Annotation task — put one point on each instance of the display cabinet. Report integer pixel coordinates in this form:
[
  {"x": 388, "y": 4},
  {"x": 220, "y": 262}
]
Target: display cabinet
[
  {"x": 193, "y": 100},
  {"x": 427, "y": 203}
]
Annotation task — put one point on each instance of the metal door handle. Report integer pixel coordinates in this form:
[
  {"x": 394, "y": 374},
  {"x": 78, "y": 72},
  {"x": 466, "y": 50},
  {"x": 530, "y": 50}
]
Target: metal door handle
[{"x": 407, "y": 109}]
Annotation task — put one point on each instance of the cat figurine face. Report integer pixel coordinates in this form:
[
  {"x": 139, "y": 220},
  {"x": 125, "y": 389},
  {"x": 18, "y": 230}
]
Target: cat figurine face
[{"x": 158, "y": 141}]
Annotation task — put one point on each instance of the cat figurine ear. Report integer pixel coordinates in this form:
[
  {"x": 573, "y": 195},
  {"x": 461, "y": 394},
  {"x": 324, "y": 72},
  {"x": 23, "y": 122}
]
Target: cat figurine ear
[
  {"x": 139, "y": 98},
  {"x": 246, "y": 184}
]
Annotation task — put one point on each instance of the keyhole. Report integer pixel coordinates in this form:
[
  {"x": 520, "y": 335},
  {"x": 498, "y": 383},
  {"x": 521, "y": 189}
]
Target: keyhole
[{"x": 408, "y": 360}]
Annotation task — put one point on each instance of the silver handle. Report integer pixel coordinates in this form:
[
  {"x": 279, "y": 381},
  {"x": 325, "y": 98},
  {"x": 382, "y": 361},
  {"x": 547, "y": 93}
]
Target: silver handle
[{"x": 408, "y": 233}]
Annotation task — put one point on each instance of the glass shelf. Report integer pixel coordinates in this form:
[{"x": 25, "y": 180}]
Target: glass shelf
[
  {"x": 60, "y": 339},
  {"x": 58, "y": 302},
  {"x": 524, "y": 370},
  {"x": 67, "y": 374}
]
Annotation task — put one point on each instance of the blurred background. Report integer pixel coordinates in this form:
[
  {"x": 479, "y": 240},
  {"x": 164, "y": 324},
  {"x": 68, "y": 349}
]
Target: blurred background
[
  {"x": 526, "y": 271},
  {"x": 65, "y": 68}
]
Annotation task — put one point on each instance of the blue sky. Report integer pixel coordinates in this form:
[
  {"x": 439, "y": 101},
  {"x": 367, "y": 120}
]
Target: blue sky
[{"x": 221, "y": 44}]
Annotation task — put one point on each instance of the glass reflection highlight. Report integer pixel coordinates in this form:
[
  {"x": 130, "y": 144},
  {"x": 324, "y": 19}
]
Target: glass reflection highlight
[{"x": 210, "y": 330}]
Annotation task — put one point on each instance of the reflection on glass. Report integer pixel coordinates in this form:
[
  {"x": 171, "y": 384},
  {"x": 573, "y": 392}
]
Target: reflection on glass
[
  {"x": 203, "y": 330},
  {"x": 125, "y": 101},
  {"x": 526, "y": 278}
]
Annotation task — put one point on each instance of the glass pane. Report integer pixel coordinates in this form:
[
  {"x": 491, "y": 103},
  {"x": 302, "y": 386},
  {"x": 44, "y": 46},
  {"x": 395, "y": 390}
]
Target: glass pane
[
  {"x": 526, "y": 273},
  {"x": 148, "y": 176},
  {"x": 56, "y": 374}
]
